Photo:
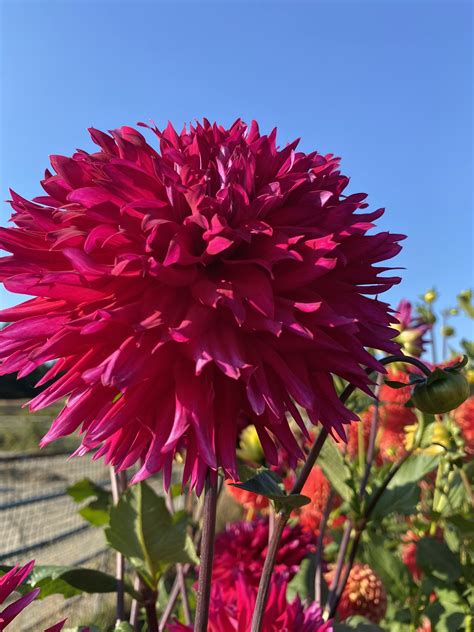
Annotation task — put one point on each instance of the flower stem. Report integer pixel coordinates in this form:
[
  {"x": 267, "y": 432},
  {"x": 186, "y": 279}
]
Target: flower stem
[
  {"x": 318, "y": 575},
  {"x": 118, "y": 483},
  {"x": 207, "y": 554},
  {"x": 279, "y": 524}
]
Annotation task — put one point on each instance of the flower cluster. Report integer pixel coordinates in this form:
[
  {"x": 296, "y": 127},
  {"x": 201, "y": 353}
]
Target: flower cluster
[
  {"x": 241, "y": 549},
  {"x": 232, "y": 611},
  {"x": 188, "y": 292},
  {"x": 364, "y": 595}
]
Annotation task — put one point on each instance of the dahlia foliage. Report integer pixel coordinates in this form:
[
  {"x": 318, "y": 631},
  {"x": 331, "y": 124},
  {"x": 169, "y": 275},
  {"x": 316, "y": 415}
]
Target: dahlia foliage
[{"x": 189, "y": 291}]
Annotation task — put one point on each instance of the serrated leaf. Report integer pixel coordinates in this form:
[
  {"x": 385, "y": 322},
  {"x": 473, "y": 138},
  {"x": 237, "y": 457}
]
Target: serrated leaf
[
  {"x": 415, "y": 468},
  {"x": 437, "y": 560},
  {"x": 332, "y": 463},
  {"x": 84, "y": 489},
  {"x": 144, "y": 531},
  {"x": 403, "y": 492},
  {"x": 266, "y": 483},
  {"x": 96, "y": 512}
]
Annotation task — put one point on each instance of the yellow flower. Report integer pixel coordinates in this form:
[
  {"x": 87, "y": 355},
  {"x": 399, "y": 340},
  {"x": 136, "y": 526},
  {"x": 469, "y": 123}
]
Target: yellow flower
[
  {"x": 250, "y": 446},
  {"x": 430, "y": 296}
]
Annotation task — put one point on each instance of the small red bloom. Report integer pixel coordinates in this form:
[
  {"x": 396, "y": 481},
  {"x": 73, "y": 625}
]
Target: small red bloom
[
  {"x": 464, "y": 417},
  {"x": 241, "y": 550},
  {"x": 248, "y": 500},
  {"x": 317, "y": 488},
  {"x": 364, "y": 594},
  {"x": 188, "y": 292}
]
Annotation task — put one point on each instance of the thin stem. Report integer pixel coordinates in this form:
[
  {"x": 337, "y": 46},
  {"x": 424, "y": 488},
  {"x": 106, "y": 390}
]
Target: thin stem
[
  {"x": 318, "y": 575},
  {"x": 150, "y": 609},
  {"x": 467, "y": 485},
  {"x": 339, "y": 564},
  {"x": 278, "y": 527},
  {"x": 170, "y": 605},
  {"x": 135, "y": 608},
  {"x": 184, "y": 594},
  {"x": 207, "y": 554},
  {"x": 118, "y": 483},
  {"x": 372, "y": 437},
  {"x": 359, "y": 531}
]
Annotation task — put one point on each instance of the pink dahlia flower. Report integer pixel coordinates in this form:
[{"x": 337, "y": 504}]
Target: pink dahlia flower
[
  {"x": 187, "y": 292},
  {"x": 8, "y": 585},
  {"x": 241, "y": 549},
  {"x": 231, "y": 611}
]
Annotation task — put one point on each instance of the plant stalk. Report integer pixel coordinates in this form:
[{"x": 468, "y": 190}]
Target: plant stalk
[
  {"x": 118, "y": 483},
  {"x": 318, "y": 575},
  {"x": 207, "y": 554}
]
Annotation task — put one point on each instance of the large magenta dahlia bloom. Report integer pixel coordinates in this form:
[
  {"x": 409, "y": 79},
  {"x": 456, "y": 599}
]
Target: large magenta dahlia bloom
[{"x": 187, "y": 292}]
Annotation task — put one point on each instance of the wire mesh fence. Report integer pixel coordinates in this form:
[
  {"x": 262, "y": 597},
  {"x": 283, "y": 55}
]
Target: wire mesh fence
[{"x": 38, "y": 520}]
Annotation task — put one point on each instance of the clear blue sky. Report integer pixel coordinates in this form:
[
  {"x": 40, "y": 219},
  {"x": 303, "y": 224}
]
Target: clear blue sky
[{"x": 385, "y": 85}]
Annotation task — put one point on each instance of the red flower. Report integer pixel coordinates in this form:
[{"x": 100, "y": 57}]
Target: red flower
[
  {"x": 241, "y": 550},
  {"x": 464, "y": 417},
  {"x": 248, "y": 500},
  {"x": 231, "y": 611},
  {"x": 189, "y": 292},
  {"x": 8, "y": 584},
  {"x": 399, "y": 396},
  {"x": 317, "y": 488},
  {"x": 364, "y": 595}
]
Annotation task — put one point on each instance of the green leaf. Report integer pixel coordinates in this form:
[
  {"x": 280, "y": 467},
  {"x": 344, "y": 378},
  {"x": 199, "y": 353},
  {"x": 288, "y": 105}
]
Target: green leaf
[
  {"x": 332, "y": 463},
  {"x": 402, "y": 500},
  {"x": 361, "y": 624},
  {"x": 144, "y": 531},
  {"x": 123, "y": 627},
  {"x": 266, "y": 483},
  {"x": 96, "y": 512},
  {"x": 84, "y": 489},
  {"x": 436, "y": 559},
  {"x": 302, "y": 584},
  {"x": 415, "y": 468},
  {"x": 403, "y": 492},
  {"x": 464, "y": 524},
  {"x": 68, "y": 581},
  {"x": 393, "y": 573}
]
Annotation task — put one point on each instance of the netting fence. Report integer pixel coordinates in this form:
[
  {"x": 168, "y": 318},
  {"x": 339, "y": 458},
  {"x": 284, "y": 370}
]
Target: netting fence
[{"x": 38, "y": 520}]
